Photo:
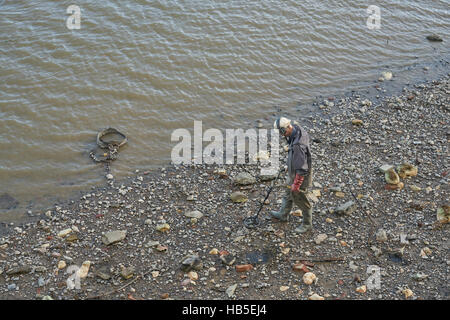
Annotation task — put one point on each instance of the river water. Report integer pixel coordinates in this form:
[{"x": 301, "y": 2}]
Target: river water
[{"x": 150, "y": 67}]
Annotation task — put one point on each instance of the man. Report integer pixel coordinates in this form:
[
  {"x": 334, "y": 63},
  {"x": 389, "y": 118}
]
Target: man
[{"x": 299, "y": 173}]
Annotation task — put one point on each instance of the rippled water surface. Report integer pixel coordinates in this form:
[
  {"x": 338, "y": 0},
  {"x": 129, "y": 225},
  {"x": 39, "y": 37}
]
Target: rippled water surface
[{"x": 149, "y": 67}]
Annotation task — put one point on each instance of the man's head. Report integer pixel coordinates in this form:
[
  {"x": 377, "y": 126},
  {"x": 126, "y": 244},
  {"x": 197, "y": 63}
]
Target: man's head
[{"x": 284, "y": 125}]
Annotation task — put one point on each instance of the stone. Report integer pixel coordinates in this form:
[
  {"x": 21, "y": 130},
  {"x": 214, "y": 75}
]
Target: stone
[
  {"x": 300, "y": 267},
  {"x": 320, "y": 238},
  {"x": 315, "y": 296},
  {"x": 114, "y": 236},
  {"x": 191, "y": 262},
  {"x": 127, "y": 272},
  {"x": 392, "y": 177},
  {"x": 214, "y": 251},
  {"x": 415, "y": 188},
  {"x": 420, "y": 276},
  {"x": 61, "y": 265},
  {"x": 109, "y": 176},
  {"x": 84, "y": 269},
  {"x": 230, "y": 290},
  {"x": 194, "y": 214},
  {"x": 238, "y": 197},
  {"x": 19, "y": 270},
  {"x": 408, "y": 293},
  {"x": 347, "y": 208},
  {"x": 385, "y": 167},
  {"x": 228, "y": 259},
  {"x": 381, "y": 235},
  {"x": 309, "y": 278},
  {"x": 244, "y": 178},
  {"x": 163, "y": 227},
  {"x": 357, "y": 122},
  {"x": 434, "y": 38},
  {"x": 387, "y": 75},
  {"x": 192, "y": 275},
  {"x": 361, "y": 289},
  {"x": 443, "y": 214},
  {"x": 64, "y": 232},
  {"x": 407, "y": 170},
  {"x": 284, "y": 288},
  {"x": 243, "y": 267},
  {"x": 267, "y": 176}
]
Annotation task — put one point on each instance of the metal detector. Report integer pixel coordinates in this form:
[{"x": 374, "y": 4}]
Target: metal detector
[{"x": 253, "y": 222}]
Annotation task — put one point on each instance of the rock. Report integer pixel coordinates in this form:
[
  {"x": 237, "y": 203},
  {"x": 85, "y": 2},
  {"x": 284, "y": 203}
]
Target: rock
[
  {"x": 244, "y": 178},
  {"x": 392, "y": 177},
  {"x": 192, "y": 275},
  {"x": 191, "y": 262},
  {"x": 64, "y": 232},
  {"x": 357, "y": 122},
  {"x": 300, "y": 267},
  {"x": 407, "y": 170},
  {"x": 84, "y": 269},
  {"x": 61, "y": 265},
  {"x": 114, "y": 236},
  {"x": 415, "y": 188},
  {"x": 320, "y": 238},
  {"x": 346, "y": 208},
  {"x": 194, "y": 214},
  {"x": 435, "y": 38},
  {"x": 163, "y": 227},
  {"x": 425, "y": 252},
  {"x": 381, "y": 235},
  {"x": 443, "y": 214},
  {"x": 268, "y": 177},
  {"x": 109, "y": 176},
  {"x": 127, "y": 272},
  {"x": 309, "y": 278},
  {"x": 386, "y": 75},
  {"x": 386, "y": 167},
  {"x": 19, "y": 270},
  {"x": 243, "y": 267},
  {"x": 376, "y": 251},
  {"x": 398, "y": 186},
  {"x": 228, "y": 259},
  {"x": 284, "y": 288},
  {"x": 408, "y": 293},
  {"x": 238, "y": 197},
  {"x": 315, "y": 296},
  {"x": 230, "y": 290},
  {"x": 103, "y": 273},
  {"x": 420, "y": 276},
  {"x": 361, "y": 289},
  {"x": 214, "y": 251}
]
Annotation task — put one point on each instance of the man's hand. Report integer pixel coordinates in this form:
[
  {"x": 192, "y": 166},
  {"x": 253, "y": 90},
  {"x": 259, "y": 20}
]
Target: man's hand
[{"x": 297, "y": 183}]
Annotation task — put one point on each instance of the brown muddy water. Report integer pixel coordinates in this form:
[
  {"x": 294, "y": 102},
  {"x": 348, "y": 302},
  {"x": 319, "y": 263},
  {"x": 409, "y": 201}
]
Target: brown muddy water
[{"x": 150, "y": 67}]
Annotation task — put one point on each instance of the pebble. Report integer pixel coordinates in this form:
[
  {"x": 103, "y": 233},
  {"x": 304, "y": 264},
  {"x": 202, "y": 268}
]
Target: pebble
[
  {"x": 309, "y": 278},
  {"x": 114, "y": 237}
]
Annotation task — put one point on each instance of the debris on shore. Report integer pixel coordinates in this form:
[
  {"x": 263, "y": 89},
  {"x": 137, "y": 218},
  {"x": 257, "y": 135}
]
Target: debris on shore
[{"x": 177, "y": 232}]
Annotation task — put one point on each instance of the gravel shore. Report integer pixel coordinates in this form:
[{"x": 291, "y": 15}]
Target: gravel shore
[{"x": 174, "y": 233}]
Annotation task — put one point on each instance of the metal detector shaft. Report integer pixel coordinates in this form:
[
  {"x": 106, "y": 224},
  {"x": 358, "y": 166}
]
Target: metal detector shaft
[{"x": 251, "y": 222}]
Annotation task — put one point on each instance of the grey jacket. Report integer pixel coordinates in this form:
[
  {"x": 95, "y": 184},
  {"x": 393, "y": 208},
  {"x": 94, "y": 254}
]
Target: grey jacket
[{"x": 299, "y": 155}]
